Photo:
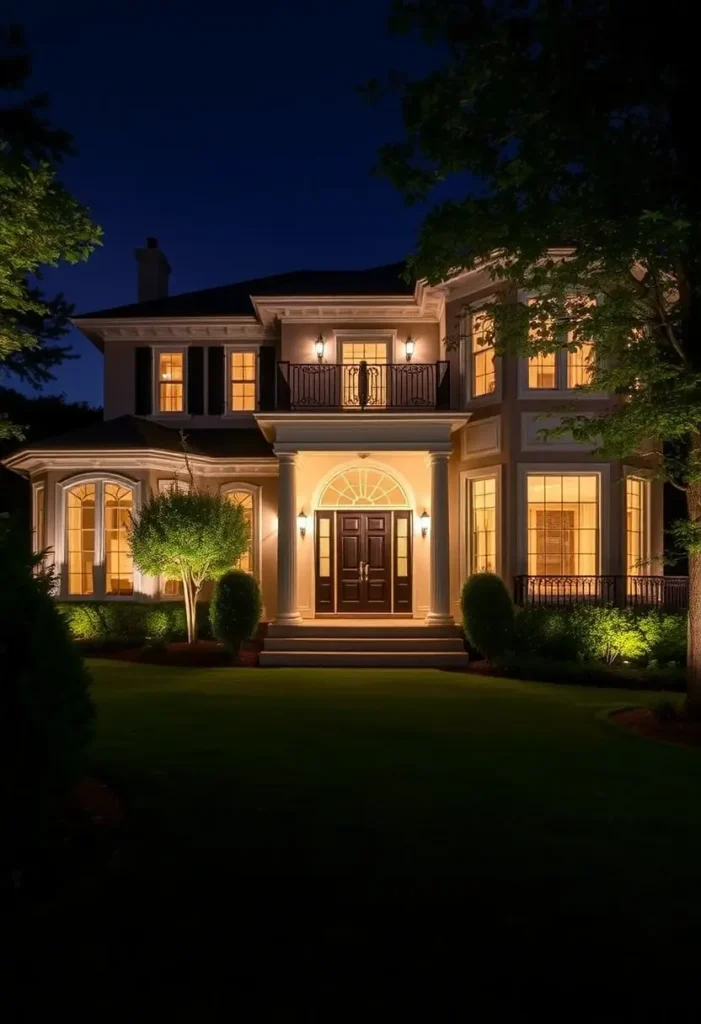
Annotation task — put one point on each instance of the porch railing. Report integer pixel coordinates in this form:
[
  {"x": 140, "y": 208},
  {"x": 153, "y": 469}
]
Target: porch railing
[
  {"x": 668, "y": 592},
  {"x": 325, "y": 386}
]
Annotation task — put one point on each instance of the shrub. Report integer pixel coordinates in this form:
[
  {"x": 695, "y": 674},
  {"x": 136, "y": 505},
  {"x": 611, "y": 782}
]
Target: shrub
[
  {"x": 487, "y": 614},
  {"x": 46, "y": 714},
  {"x": 665, "y": 636},
  {"x": 589, "y": 673},
  {"x": 236, "y": 608},
  {"x": 130, "y": 622}
]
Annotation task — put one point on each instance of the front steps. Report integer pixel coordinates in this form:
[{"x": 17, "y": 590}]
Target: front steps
[{"x": 343, "y": 644}]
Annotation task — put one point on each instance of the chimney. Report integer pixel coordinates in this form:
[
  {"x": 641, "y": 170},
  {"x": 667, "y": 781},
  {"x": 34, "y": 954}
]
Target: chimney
[{"x": 154, "y": 272}]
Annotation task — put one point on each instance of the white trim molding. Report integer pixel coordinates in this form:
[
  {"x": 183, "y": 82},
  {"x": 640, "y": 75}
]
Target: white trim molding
[
  {"x": 480, "y": 438},
  {"x": 467, "y": 478},
  {"x": 142, "y": 585},
  {"x": 600, "y": 469},
  {"x": 533, "y": 422},
  {"x": 39, "y": 495}
]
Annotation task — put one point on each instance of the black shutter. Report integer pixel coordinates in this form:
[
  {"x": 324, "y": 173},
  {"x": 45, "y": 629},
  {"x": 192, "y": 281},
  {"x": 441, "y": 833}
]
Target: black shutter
[
  {"x": 215, "y": 398},
  {"x": 143, "y": 390},
  {"x": 195, "y": 380},
  {"x": 267, "y": 366}
]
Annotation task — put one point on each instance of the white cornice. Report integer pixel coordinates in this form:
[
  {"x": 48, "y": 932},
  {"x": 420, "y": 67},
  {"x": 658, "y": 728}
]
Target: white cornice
[
  {"x": 35, "y": 460},
  {"x": 186, "y": 328},
  {"x": 424, "y": 305}
]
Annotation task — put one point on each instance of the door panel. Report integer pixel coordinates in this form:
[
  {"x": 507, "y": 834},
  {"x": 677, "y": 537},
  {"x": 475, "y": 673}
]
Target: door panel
[
  {"x": 364, "y": 562},
  {"x": 350, "y": 539}
]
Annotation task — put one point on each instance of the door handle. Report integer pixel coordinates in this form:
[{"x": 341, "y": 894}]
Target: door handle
[
  {"x": 366, "y": 570},
  {"x": 361, "y": 567}
]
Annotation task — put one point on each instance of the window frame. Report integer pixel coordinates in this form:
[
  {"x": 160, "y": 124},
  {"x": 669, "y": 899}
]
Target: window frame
[
  {"x": 466, "y": 359},
  {"x": 38, "y": 488},
  {"x": 255, "y": 490},
  {"x": 603, "y": 470},
  {"x": 467, "y": 478},
  {"x": 99, "y": 564},
  {"x": 156, "y": 352},
  {"x": 230, "y": 350},
  {"x": 645, "y": 477}
]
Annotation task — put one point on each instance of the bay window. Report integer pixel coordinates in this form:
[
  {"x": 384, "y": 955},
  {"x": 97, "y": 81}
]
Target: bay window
[
  {"x": 483, "y": 367},
  {"x": 97, "y": 515},
  {"x": 563, "y": 524},
  {"x": 637, "y": 526}
]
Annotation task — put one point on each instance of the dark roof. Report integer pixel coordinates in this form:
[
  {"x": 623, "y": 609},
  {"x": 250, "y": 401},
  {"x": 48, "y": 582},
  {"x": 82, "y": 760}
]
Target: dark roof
[
  {"x": 234, "y": 299},
  {"x": 134, "y": 432}
]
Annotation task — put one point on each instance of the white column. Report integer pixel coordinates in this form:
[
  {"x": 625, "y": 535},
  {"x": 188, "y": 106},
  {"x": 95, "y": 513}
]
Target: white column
[
  {"x": 287, "y": 611},
  {"x": 439, "y": 606}
]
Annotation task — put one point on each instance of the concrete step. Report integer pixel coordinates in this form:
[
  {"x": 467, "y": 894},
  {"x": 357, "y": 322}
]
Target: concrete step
[
  {"x": 331, "y": 642},
  {"x": 338, "y": 628},
  {"x": 363, "y": 659}
]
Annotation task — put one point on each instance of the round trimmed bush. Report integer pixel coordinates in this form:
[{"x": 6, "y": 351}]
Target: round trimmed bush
[
  {"x": 235, "y": 609},
  {"x": 487, "y": 614}
]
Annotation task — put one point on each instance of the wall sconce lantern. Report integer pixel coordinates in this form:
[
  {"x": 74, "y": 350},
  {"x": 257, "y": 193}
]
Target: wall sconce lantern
[
  {"x": 319, "y": 346},
  {"x": 409, "y": 346},
  {"x": 425, "y": 520},
  {"x": 302, "y": 523}
]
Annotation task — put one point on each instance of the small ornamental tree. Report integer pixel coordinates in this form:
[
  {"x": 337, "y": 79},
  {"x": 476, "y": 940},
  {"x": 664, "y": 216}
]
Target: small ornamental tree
[{"x": 193, "y": 537}]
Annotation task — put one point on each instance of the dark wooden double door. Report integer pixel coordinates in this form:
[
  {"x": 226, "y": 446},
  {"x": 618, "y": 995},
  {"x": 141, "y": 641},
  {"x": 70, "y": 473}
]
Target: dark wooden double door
[{"x": 364, "y": 562}]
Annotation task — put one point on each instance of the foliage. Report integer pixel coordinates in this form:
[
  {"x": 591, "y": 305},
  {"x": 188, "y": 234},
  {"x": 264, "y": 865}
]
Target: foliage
[
  {"x": 194, "y": 536},
  {"x": 130, "y": 622},
  {"x": 236, "y": 608},
  {"x": 546, "y": 121},
  {"x": 609, "y": 635},
  {"x": 46, "y": 711},
  {"x": 40, "y": 416},
  {"x": 41, "y": 224},
  {"x": 487, "y": 614},
  {"x": 542, "y": 669}
]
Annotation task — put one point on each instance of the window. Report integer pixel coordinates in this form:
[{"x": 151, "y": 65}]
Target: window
[
  {"x": 580, "y": 366},
  {"x": 402, "y": 547},
  {"x": 563, "y": 525},
  {"x": 119, "y": 568},
  {"x": 483, "y": 368},
  {"x": 243, "y": 381},
  {"x": 244, "y": 500},
  {"x": 38, "y": 519},
  {"x": 542, "y": 371},
  {"x": 324, "y": 546},
  {"x": 97, "y": 518},
  {"x": 363, "y": 486},
  {"x": 483, "y": 525},
  {"x": 171, "y": 381},
  {"x": 81, "y": 539},
  {"x": 374, "y": 353},
  {"x": 637, "y": 546}
]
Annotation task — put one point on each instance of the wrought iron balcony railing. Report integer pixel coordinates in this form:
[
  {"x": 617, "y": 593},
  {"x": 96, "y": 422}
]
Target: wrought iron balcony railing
[
  {"x": 363, "y": 386},
  {"x": 668, "y": 592}
]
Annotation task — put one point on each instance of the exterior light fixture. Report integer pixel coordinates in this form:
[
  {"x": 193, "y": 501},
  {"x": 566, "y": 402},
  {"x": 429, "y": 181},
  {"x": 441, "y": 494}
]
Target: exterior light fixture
[
  {"x": 409, "y": 347},
  {"x": 425, "y": 520},
  {"x": 302, "y": 523},
  {"x": 319, "y": 346}
]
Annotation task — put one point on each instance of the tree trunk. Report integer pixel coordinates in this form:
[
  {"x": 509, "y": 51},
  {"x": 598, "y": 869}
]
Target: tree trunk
[
  {"x": 187, "y": 598},
  {"x": 694, "y": 642},
  {"x": 195, "y": 595}
]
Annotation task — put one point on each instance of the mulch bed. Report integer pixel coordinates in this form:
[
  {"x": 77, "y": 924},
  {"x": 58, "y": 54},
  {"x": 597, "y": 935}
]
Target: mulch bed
[
  {"x": 95, "y": 801},
  {"x": 204, "y": 654},
  {"x": 642, "y": 722}
]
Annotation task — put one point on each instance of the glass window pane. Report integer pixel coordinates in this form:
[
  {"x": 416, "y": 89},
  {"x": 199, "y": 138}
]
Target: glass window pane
[
  {"x": 244, "y": 500},
  {"x": 119, "y": 569},
  {"x": 81, "y": 539},
  {"x": 563, "y": 527},
  {"x": 483, "y": 525}
]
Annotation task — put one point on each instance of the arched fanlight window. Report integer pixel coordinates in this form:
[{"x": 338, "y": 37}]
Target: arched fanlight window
[{"x": 364, "y": 485}]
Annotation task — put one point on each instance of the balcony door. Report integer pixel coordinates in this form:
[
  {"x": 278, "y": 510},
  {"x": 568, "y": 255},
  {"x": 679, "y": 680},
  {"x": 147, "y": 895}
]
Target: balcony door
[{"x": 375, "y": 354}]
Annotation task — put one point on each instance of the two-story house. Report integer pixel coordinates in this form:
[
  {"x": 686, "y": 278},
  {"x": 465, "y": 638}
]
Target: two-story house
[{"x": 378, "y": 466}]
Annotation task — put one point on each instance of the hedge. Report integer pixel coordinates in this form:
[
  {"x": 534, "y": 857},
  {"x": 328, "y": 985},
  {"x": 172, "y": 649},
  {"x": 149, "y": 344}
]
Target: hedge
[
  {"x": 614, "y": 636},
  {"x": 131, "y": 621}
]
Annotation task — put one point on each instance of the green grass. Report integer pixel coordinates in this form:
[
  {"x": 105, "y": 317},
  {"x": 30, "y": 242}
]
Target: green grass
[{"x": 315, "y": 835}]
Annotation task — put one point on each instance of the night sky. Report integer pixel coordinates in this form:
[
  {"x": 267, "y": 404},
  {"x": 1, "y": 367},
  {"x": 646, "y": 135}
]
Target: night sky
[{"x": 238, "y": 140}]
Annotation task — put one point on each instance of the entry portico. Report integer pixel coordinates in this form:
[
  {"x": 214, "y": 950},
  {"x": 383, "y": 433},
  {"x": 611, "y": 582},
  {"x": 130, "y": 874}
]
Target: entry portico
[{"x": 363, "y": 486}]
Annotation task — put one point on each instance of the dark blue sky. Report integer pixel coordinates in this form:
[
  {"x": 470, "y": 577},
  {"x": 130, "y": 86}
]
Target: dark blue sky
[{"x": 238, "y": 140}]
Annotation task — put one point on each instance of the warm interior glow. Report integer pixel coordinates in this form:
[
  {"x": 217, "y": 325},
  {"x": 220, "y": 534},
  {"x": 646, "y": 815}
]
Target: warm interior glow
[
  {"x": 636, "y": 526},
  {"x": 363, "y": 486},
  {"x": 171, "y": 391},
  {"x": 244, "y": 500},
  {"x": 580, "y": 366},
  {"x": 374, "y": 353},
  {"x": 324, "y": 547},
  {"x": 402, "y": 547},
  {"x": 542, "y": 367},
  {"x": 243, "y": 381},
  {"x": 119, "y": 568},
  {"x": 483, "y": 525},
  {"x": 483, "y": 369},
  {"x": 563, "y": 525},
  {"x": 80, "y": 509}
]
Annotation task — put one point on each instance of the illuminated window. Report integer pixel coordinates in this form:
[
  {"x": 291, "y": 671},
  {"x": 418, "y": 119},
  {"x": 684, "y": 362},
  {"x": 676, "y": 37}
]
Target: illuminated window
[
  {"x": 580, "y": 366},
  {"x": 324, "y": 547},
  {"x": 81, "y": 539},
  {"x": 38, "y": 527},
  {"x": 243, "y": 381},
  {"x": 563, "y": 525},
  {"x": 402, "y": 547},
  {"x": 374, "y": 353},
  {"x": 483, "y": 525},
  {"x": 363, "y": 486},
  {"x": 542, "y": 371},
  {"x": 171, "y": 386},
  {"x": 483, "y": 370},
  {"x": 119, "y": 568},
  {"x": 637, "y": 546},
  {"x": 244, "y": 500}
]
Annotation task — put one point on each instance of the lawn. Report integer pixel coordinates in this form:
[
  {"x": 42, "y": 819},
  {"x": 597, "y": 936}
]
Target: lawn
[{"x": 313, "y": 837}]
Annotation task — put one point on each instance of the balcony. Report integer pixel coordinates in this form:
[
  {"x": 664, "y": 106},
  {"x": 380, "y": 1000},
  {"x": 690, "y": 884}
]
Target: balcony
[
  {"x": 364, "y": 387},
  {"x": 670, "y": 593}
]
